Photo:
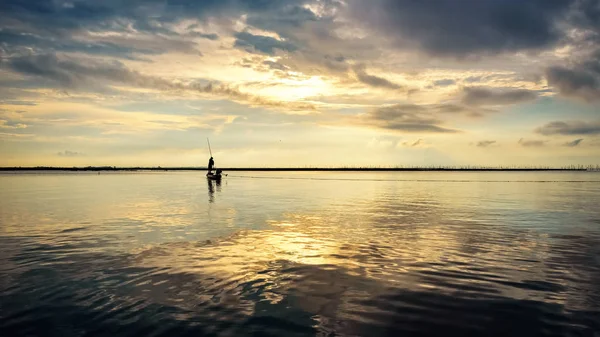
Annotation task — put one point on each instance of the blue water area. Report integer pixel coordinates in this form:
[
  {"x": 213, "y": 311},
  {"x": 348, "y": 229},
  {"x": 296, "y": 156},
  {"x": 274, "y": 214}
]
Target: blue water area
[{"x": 300, "y": 254}]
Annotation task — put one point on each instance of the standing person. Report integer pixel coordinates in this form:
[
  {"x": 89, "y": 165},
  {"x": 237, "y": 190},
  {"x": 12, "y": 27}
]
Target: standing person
[{"x": 211, "y": 164}]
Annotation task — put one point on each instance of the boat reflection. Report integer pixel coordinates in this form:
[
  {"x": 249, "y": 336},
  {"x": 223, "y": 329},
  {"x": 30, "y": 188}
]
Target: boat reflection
[{"x": 212, "y": 184}]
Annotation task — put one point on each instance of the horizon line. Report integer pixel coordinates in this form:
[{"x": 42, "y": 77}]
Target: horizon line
[{"x": 308, "y": 168}]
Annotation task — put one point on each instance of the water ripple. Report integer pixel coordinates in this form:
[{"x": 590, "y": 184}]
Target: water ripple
[{"x": 346, "y": 257}]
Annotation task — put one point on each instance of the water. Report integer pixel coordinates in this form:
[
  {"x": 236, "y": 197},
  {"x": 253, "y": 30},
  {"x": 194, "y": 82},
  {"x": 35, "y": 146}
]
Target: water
[{"x": 300, "y": 254}]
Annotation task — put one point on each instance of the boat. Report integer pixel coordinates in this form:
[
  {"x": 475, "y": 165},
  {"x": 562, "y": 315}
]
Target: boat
[{"x": 214, "y": 176}]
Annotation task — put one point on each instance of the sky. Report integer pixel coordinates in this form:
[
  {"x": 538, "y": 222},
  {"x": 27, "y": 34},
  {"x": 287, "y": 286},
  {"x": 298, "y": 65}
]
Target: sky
[{"x": 300, "y": 82}]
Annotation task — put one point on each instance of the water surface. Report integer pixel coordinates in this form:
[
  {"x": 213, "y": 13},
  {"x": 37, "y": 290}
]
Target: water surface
[{"x": 300, "y": 254}]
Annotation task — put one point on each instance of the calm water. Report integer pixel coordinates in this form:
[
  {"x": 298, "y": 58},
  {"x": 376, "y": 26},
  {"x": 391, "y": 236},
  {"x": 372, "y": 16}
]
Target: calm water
[{"x": 300, "y": 254}]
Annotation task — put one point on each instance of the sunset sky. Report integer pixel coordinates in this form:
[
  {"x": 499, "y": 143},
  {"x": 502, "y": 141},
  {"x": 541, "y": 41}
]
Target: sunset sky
[{"x": 299, "y": 82}]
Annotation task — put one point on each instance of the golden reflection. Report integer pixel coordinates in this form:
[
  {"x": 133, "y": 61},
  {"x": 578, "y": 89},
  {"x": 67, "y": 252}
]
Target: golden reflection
[
  {"x": 313, "y": 255},
  {"x": 234, "y": 255},
  {"x": 367, "y": 235}
]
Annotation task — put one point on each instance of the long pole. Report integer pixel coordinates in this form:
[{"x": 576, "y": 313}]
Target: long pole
[{"x": 209, "y": 150}]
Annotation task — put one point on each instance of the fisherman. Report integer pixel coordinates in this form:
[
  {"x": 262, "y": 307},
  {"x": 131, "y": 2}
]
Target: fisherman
[{"x": 211, "y": 164}]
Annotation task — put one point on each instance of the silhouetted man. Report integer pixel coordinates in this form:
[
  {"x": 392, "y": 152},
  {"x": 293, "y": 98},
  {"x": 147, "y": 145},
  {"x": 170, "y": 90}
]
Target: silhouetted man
[{"x": 211, "y": 164}]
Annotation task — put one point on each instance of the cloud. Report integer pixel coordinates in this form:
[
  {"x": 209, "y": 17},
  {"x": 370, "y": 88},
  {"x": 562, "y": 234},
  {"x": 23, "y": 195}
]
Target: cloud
[
  {"x": 579, "y": 78},
  {"x": 444, "y": 83},
  {"x": 74, "y": 75},
  {"x": 570, "y": 128},
  {"x": 417, "y": 143},
  {"x": 154, "y": 27},
  {"x": 274, "y": 65},
  {"x": 450, "y": 108},
  {"x": 211, "y": 36},
  {"x": 413, "y": 118},
  {"x": 588, "y": 14},
  {"x": 4, "y": 124},
  {"x": 374, "y": 81},
  {"x": 15, "y": 136},
  {"x": 474, "y": 79},
  {"x": 18, "y": 102},
  {"x": 15, "y": 39},
  {"x": 532, "y": 143},
  {"x": 486, "y": 96},
  {"x": 574, "y": 143},
  {"x": 67, "y": 72},
  {"x": 261, "y": 44},
  {"x": 581, "y": 81},
  {"x": 463, "y": 28},
  {"x": 154, "y": 16},
  {"x": 287, "y": 15},
  {"x": 486, "y": 143},
  {"x": 405, "y": 118},
  {"x": 68, "y": 153}
]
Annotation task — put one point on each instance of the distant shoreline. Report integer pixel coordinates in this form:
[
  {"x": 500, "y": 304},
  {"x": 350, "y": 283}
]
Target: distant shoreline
[{"x": 307, "y": 169}]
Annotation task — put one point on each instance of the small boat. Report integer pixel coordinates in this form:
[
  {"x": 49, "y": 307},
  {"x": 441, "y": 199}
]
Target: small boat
[{"x": 214, "y": 176}]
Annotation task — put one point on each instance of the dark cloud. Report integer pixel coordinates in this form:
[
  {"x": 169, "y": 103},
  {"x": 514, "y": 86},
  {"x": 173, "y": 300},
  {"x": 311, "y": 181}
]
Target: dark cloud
[
  {"x": 149, "y": 15},
  {"x": 574, "y": 143},
  {"x": 58, "y": 15},
  {"x": 417, "y": 118},
  {"x": 588, "y": 14},
  {"x": 466, "y": 27},
  {"x": 444, "y": 83},
  {"x": 69, "y": 73},
  {"x": 211, "y": 36},
  {"x": 486, "y": 143},
  {"x": 580, "y": 81},
  {"x": 532, "y": 143},
  {"x": 138, "y": 28},
  {"x": 374, "y": 81},
  {"x": 68, "y": 153},
  {"x": 283, "y": 18},
  {"x": 16, "y": 40},
  {"x": 570, "y": 128},
  {"x": 405, "y": 118},
  {"x": 261, "y": 44},
  {"x": 488, "y": 96},
  {"x": 59, "y": 25},
  {"x": 442, "y": 27},
  {"x": 580, "y": 77}
]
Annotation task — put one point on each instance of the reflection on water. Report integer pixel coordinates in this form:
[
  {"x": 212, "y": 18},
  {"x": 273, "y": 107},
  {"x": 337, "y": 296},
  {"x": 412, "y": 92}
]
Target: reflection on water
[
  {"x": 288, "y": 254},
  {"x": 211, "y": 189}
]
